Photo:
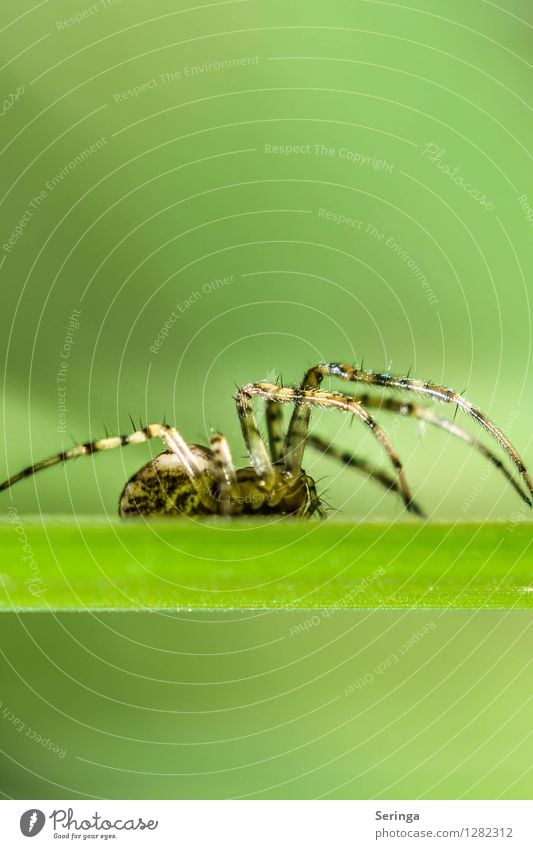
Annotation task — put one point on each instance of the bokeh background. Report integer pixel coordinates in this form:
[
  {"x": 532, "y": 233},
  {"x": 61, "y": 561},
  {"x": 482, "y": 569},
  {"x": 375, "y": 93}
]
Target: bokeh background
[{"x": 196, "y": 162}]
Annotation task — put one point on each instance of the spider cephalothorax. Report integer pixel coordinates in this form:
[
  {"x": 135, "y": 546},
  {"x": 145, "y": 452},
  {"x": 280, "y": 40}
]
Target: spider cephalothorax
[{"x": 190, "y": 479}]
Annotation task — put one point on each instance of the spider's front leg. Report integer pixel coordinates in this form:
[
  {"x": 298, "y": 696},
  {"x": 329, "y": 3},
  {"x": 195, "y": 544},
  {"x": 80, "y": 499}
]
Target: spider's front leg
[
  {"x": 293, "y": 493},
  {"x": 257, "y": 452},
  {"x": 274, "y": 421},
  {"x": 308, "y": 399},
  {"x": 424, "y": 414},
  {"x": 315, "y": 375}
]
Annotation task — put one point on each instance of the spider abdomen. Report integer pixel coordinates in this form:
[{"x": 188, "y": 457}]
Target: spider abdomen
[{"x": 163, "y": 488}]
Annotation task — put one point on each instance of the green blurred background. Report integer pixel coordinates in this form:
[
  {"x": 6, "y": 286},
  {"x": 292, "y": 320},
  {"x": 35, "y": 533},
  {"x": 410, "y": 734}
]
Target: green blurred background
[
  {"x": 211, "y": 705},
  {"x": 138, "y": 150}
]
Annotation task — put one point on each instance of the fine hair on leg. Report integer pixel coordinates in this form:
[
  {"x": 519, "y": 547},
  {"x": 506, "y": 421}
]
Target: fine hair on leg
[
  {"x": 407, "y": 409},
  {"x": 315, "y": 375},
  {"x": 169, "y": 435},
  {"x": 257, "y": 451},
  {"x": 226, "y": 481},
  {"x": 274, "y": 422}
]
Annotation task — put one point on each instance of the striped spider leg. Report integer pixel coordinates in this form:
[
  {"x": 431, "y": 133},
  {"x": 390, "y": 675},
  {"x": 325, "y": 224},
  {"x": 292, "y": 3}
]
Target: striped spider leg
[
  {"x": 294, "y": 491},
  {"x": 276, "y": 440},
  {"x": 276, "y": 443},
  {"x": 308, "y": 398},
  {"x": 274, "y": 422},
  {"x": 324, "y": 446},
  {"x": 425, "y": 414},
  {"x": 187, "y": 464},
  {"x": 297, "y": 431},
  {"x": 352, "y": 461},
  {"x": 225, "y": 474}
]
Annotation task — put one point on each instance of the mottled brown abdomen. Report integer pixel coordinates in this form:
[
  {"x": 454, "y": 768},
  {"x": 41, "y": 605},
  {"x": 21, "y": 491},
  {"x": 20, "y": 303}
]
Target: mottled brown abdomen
[{"x": 162, "y": 488}]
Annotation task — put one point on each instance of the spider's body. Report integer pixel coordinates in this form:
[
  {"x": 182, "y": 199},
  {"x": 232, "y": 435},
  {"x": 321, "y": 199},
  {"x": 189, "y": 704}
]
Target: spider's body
[
  {"x": 193, "y": 480},
  {"x": 163, "y": 488}
]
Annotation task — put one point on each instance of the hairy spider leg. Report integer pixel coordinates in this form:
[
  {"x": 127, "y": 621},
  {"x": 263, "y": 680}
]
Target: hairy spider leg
[
  {"x": 406, "y": 408},
  {"x": 169, "y": 435},
  {"x": 276, "y": 440},
  {"x": 335, "y": 400},
  {"x": 276, "y": 437},
  {"x": 358, "y": 463},
  {"x": 298, "y": 426},
  {"x": 257, "y": 452},
  {"x": 225, "y": 476}
]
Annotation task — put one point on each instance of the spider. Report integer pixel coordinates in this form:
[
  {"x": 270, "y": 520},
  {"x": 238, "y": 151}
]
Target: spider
[{"x": 191, "y": 479}]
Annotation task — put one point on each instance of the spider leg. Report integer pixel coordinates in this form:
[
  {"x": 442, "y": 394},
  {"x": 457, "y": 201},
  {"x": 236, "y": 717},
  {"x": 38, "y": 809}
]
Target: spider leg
[
  {"x": 354, "y": 462},
  {"x": 224, "y": 472},
  {"x": 336, "y": 400},
  {"x": 259, "y": 456},
  {"x": 315, "y": 375},
  {"x": 276, "y": 438},
  {"x": 170, "y": 436},
  {"x": 423, "y": 413}
]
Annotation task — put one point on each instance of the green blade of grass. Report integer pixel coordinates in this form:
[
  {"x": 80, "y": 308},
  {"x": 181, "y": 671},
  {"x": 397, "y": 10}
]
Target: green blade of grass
[{"x": 240, "y": 565}]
